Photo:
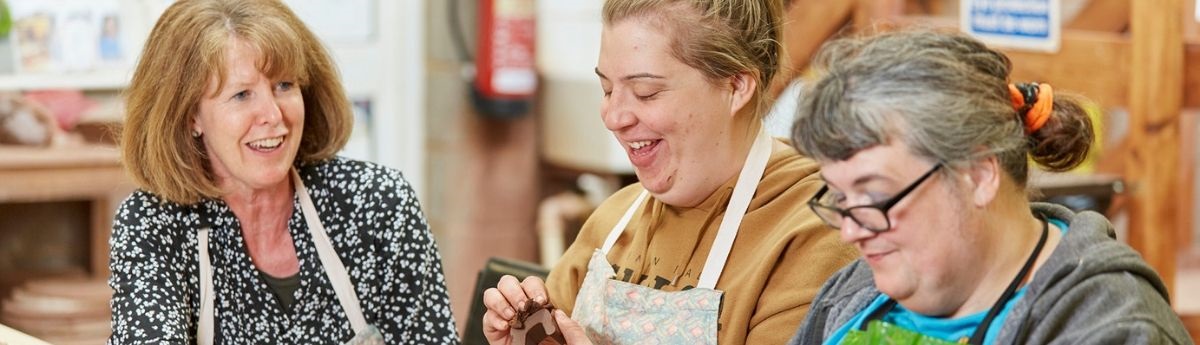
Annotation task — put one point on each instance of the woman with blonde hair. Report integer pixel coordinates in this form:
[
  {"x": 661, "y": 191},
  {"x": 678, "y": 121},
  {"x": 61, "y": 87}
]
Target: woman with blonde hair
[
  {"x": 246, "y": 227},
  {"x": 713, "y": 244}
]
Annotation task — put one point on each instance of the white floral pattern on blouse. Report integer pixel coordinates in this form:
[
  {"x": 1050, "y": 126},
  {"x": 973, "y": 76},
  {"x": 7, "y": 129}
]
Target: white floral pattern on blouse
[{"x": 377, "y": 228}]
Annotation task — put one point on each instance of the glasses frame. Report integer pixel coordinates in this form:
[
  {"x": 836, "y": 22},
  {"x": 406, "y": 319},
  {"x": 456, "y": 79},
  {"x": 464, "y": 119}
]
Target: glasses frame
[{"x": 882, "y": 206}]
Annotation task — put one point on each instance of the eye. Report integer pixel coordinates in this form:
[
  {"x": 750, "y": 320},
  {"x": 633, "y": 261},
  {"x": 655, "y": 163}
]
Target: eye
[
  {"x": 835, "y": 199},
  {"x": 241, "y": 95},
  {"x": 284, "y": 86},
  {"x": 877, "y": 198},
  {"x": 649, "y": 97}
]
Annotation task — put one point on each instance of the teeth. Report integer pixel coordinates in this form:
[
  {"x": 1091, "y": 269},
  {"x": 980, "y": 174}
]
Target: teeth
[
  {"x": 267, "y": 143},
  {"x": 640, "y": 144}
]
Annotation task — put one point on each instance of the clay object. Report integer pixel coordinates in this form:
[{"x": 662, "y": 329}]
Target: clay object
[
  {"x": 536, "y": 326},
  {"x": 22, "y": 123}
]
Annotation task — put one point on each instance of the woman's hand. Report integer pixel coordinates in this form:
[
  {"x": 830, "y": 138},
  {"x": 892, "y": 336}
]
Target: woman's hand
[
  {"x": 504, "y": 301},
  {"x": 570, "y": 329}
]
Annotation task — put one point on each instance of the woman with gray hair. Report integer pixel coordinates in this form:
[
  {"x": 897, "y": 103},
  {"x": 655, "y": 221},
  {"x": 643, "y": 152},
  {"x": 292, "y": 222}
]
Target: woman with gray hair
[{"x": 924, "y": 146}]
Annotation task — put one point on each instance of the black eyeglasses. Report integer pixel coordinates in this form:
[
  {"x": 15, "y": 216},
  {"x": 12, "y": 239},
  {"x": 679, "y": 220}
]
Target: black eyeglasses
[{"x": 872, "y": 216}]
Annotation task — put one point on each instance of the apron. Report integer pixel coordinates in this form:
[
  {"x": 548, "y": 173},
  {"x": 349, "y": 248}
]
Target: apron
[
  {"x": 616, "y": 312},
  {"x": 363, "y": 333}
]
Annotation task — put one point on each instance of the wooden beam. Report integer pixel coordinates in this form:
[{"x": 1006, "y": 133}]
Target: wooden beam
[
  {"x": 1191, "y": 76},
  {"x": 1192, "y": 324},
  {"x": 1189, "y": 122},
  {"x": 807, "y": 24},
  {"x": 870, "y": 14},
  {"x": 1102, "y": 57},
  {"x": 1101, "y": 15},
  {"x": 1155, "y": 99}
]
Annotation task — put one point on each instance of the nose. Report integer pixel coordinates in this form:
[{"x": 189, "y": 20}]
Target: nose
[
  {"x": 269, "y": 112},
  {"x": 616, "y": 113},
  {"x": 852, "y": 232}
]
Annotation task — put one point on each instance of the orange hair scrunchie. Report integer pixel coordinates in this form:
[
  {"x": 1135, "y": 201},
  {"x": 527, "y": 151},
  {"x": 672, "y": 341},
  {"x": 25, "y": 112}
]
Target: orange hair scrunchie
[{"x": 1039, "y": 112}]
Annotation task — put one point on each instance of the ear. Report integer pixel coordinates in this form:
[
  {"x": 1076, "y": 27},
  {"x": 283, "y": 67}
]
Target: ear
[
  {"x": 196, "y": 127},
  {"x": 744, "y": 84},
  {"x": 983, "y": 178}
]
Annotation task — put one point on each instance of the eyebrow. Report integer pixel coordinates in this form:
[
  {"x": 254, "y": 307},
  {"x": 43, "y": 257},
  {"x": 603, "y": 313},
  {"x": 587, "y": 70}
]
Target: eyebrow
[
  {"x": 632, "y": 76},
  {"x": 858, "y": 181}
]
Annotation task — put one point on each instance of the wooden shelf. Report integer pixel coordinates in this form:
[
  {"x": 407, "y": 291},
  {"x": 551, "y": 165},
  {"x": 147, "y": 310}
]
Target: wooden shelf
[
  {"x": 12, "y": 336},
  {"x": 98, "y": 80},
  {"x": 89, "y": 172}
]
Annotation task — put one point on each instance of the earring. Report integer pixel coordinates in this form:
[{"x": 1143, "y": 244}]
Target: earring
[{"x": 195, "y": 134}]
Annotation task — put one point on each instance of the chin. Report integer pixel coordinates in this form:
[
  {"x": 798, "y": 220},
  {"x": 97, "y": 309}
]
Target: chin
[
  {"x": 891, "y": 287},
  {"x": 273, "y": 176},
  {"x": 655, "y": 183}
]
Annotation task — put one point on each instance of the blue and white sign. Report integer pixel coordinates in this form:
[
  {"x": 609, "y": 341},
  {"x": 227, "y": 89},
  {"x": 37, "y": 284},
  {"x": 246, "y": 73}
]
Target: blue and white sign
[{"x": 1021, "y": 24}]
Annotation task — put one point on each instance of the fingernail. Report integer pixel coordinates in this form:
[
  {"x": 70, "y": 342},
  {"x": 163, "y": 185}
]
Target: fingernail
[
  {"x": 541, "y": 299},
  {"x": 521, "y": 306},
  {"x": 509, "y": 313},
  {"x": 559, "y": 314}
]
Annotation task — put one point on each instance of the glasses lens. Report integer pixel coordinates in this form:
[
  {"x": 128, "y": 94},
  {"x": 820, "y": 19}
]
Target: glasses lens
[
  {"x": 871, "y": 218},
  {"x": 831, "y": 217}
]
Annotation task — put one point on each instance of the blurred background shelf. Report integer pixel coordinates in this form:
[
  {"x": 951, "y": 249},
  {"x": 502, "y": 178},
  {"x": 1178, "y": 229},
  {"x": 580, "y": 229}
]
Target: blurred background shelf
[
  {"x": 99, "y": 80},
  {"x": 89, "y": 173}
]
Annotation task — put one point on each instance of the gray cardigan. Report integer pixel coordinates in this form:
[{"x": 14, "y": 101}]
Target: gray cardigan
[{"x": 1092, "y": 290}]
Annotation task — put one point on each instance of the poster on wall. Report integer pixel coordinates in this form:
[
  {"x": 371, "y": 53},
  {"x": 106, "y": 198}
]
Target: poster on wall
[
  {"x": 66, "y": 36},
  {"x": 1034, "y": 25}
]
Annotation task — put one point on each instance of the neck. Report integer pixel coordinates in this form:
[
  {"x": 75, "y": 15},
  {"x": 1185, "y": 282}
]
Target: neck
[
  {"x": 1008, "y": 237},
  {"x": 741, "y": 139},
  {"x": 262, "y": 211},
  {"x": 264, "y": 214}
]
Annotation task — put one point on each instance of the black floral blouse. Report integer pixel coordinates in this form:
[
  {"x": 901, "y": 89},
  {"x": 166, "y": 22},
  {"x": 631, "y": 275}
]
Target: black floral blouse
[{"x": 377, "y": 228}]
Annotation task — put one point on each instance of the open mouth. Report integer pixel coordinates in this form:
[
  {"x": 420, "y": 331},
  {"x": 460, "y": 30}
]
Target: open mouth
[
  {"x": 643, "y": 146},
  {"x": 266, "y": 145}
]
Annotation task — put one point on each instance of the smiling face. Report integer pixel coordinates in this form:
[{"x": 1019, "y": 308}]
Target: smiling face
[
  {"x": 251, "y": 125},
  {"x": 927, "y": 260},
  {"x": 678, "y": 128}
]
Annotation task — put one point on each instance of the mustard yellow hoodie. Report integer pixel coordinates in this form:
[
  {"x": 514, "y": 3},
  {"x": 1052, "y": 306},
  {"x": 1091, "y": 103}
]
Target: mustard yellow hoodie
[{"x": 782, "y": 255}]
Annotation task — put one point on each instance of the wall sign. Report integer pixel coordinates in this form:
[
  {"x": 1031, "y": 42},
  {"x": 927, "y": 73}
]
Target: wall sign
[{"x": 1021, "y": 24}]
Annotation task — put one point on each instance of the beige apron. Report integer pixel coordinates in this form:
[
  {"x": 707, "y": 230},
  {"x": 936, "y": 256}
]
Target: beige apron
[
  {"x": 364, "y": 333},
  {"x": 616, "y": 312}
]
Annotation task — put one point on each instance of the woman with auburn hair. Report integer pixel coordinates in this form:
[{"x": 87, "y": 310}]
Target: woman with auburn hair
[
  {"x": 924, "y": 144},
  {"x": 713, "y": 245},
  {"x": 247, "y": 228}
]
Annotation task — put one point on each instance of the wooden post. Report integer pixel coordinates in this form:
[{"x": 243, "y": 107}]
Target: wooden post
[
  {"x": 807, "y": 24},
  {"x": 870, "y": 14},
  {"x": 1155, "y": 100}
]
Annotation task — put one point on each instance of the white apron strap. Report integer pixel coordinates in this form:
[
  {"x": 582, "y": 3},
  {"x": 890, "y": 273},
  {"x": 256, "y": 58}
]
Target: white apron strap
[
  {"x": 743, "y": 191},
  {"x": 205, "y": 326},
  {"x": 329, "y": 258},
  {"x": 616, "y": 231}
]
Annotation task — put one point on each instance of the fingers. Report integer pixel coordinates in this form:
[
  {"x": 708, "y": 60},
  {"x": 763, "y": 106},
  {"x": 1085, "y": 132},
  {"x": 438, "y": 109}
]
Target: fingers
[
  {"x": 505, "y": 301},
  {"x": 497, "y": 304},
  {"x": 495, "y": 329},
  {"x": 570, "y": 329},
  {"x": 535, "y": 289},
  {"x": 513, "y": 293}
]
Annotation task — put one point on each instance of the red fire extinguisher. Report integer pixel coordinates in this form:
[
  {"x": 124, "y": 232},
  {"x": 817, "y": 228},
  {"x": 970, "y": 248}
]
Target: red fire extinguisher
[{"x": 505, "y": 78}]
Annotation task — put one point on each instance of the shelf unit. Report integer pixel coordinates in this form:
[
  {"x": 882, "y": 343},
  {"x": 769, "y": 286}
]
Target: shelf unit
[{"x": 106, "y": 80}]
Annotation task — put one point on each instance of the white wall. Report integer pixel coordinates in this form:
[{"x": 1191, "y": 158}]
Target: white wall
[{"x": 389, "y": 69}]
